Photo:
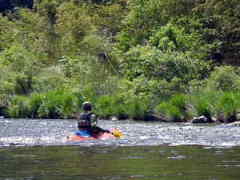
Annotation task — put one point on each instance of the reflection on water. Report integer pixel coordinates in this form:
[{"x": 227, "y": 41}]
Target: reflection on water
[{"x": 119, "y": 163}]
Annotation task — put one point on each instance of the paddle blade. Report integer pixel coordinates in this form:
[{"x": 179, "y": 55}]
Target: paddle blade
[{"x": 117, "y": 133}]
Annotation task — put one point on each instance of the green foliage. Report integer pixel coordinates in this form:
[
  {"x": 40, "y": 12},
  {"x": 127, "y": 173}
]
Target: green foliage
[
  {"x": 182, "y": 37},
  {"x": 36, "y": 100},
  {"x": 137, "y": 106},
  {"x": 171, "y": 112},
  {"x": 123, "y": 105},
  {"x": 124, "y": 56},
  {"x": 153, "y": 63},
  {"x": 146, "y": 16},
  {"x": 49, "y": 79},
  {"x": 73, "y": 24},
  {"x": 224, "y": 78},
  {"x": 20, "y": 66},
  {"x": 108, "y": 106},
  {"x": 175, "y": 109},
  {"x": 53, "y": 104},
  {"x": 19, "y": 107},
  {"x": 108, "y": 18},
  {"x": 222, "y": 24},
  {"x": 7, "y": 34},
  {"x": 228, "y": 104},
  {"x": 179, "y": 101},
  {"x": 57, "y": 104},
  {"x": 203, "y": 104}
]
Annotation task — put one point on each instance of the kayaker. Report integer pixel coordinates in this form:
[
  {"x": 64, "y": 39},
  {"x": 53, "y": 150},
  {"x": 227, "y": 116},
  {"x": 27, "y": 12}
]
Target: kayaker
[
  {"x": 87, "y": 121},
  {"x": 87, "y": 118}
]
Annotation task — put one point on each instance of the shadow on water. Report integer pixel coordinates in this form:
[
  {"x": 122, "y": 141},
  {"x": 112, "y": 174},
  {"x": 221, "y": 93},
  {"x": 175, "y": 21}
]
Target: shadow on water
[{"x": 37, "y": 149}]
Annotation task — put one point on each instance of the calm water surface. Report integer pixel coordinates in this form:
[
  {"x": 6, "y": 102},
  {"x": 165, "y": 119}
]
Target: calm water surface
[{"x": 37, "y": 149}]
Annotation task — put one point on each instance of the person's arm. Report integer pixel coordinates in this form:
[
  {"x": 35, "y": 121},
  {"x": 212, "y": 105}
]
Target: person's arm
[{"x": 93, "y": 120}]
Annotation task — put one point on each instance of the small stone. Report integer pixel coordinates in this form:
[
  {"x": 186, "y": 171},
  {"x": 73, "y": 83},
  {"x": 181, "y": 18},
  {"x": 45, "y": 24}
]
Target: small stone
[{"x": 114, "y": 118}]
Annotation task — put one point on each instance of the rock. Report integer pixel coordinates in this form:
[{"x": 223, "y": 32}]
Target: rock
[
  {"x": 214, "y": 119},
  {"x": 226, "y": 119},
  {"x": 231, "y": 119},
  {"x": 234, "y": 124},
  {"x": 114, "y": 118},
  {"x": 154, "y": 117},
  {"x": 201, "y": 119}
]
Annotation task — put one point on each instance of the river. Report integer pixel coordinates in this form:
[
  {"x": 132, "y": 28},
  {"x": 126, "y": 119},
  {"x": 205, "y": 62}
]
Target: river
[{"x": 38, "y": 149}]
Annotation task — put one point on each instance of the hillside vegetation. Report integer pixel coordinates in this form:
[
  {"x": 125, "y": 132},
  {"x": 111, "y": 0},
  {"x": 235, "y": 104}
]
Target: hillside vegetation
[{"x": 130, "y": 58}]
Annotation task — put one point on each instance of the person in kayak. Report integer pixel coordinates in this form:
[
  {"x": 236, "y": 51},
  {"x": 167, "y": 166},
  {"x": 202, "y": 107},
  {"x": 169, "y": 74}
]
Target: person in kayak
[{"x": 87, "y": 121}]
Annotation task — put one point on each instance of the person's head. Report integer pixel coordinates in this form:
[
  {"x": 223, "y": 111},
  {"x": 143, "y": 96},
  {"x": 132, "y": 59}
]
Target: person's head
[{"x": 87, "y": 106}]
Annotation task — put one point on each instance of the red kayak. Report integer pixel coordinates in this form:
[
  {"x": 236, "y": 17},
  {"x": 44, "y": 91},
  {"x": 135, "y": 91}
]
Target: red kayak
[{"x": 113, "y": 134}]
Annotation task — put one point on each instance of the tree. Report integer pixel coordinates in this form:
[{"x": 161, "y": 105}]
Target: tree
[
  {"x": 145, "y": 16},
  {"x": 222, "y": 23}
]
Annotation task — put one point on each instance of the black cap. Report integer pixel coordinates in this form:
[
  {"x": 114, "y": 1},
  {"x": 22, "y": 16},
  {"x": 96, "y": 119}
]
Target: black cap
[{"x": 87, "y": 106}]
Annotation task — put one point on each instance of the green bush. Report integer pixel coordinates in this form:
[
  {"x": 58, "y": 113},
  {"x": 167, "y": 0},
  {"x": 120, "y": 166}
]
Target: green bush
[
  {"x": 19, "y": 107},
  {"x": 152, "y": 63},
  {"x": 174, "y": 109},
  {"x": 179, "y": 101},
  {"x": 58, "y": 104},
  {"x": 137, "y": 106},
  {"x": 49, "y": 79},
  {"x": 170, "y": 112},
  {"x": 123, "y": 106},
  {"x": 224, "y": 78},
  {"x": 203, "y": 104},
  {"x": 107, "y": 106},
  {"x": 53, "y": 104},
  {"x": 228, "y": 104},
  {"x": 35, "y": 101}
]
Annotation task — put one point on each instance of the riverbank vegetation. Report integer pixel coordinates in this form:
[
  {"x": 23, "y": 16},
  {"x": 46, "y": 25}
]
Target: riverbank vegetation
[{"x": 154, "y": 59}]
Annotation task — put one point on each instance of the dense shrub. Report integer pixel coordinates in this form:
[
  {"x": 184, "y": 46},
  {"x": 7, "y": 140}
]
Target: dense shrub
[
  {"x": 202, "y": 104},
  {"x": 107, "y": 106},
  {"x": 35, "y": 102},
  {"x": 57, "y": 104},
  {"x": 170, "y": 112},
  {"x": 53, "y": 104},
  {"x": 123, "y": 106},
  {"x": 155, "y": 64},
  {"x": 228, "y": 104},
  {"x": 176, "y": 37},
  {"x": 19, "y": 107},
  {"x": 175, "y": 109},
  {"x": 137, "y": 106},
  {"x": 158, "y": 48},
  {"x": 224, "y": 78}
]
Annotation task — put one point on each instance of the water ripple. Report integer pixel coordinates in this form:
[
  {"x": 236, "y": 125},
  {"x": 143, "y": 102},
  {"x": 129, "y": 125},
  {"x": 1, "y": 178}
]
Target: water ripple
[{"x": 29, "y": 132}]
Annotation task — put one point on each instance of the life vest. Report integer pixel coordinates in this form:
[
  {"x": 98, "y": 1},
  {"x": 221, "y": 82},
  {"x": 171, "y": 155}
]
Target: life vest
[{"x": 85, "y": 120}]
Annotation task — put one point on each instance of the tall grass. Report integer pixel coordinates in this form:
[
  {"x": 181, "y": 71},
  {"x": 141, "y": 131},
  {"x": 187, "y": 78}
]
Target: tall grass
[
  {"x": 107, "y": 106},
  {"x": 35, "y": 102},
  {"x": 179, "y": 108},
  {"x": 228, "y": 104},
  {"x": 175, "y": 109},
  {"x": 137, "y": 107},
  {"x": 19, "y": 107},
  {"x": 57, "y": 104},
  {"x": 171, "y": 112},
  {"x": 53, "y": 104},
  {"x": 203, "y": 104},
  {"x": 133, "y": 107}
]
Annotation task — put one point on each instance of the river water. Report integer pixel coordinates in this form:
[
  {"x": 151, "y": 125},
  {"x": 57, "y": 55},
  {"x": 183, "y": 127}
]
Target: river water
[{"x": 38, "y": 149}]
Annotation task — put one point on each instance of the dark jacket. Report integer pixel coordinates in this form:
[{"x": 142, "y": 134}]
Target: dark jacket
[{"x": 87, "y": 120}]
